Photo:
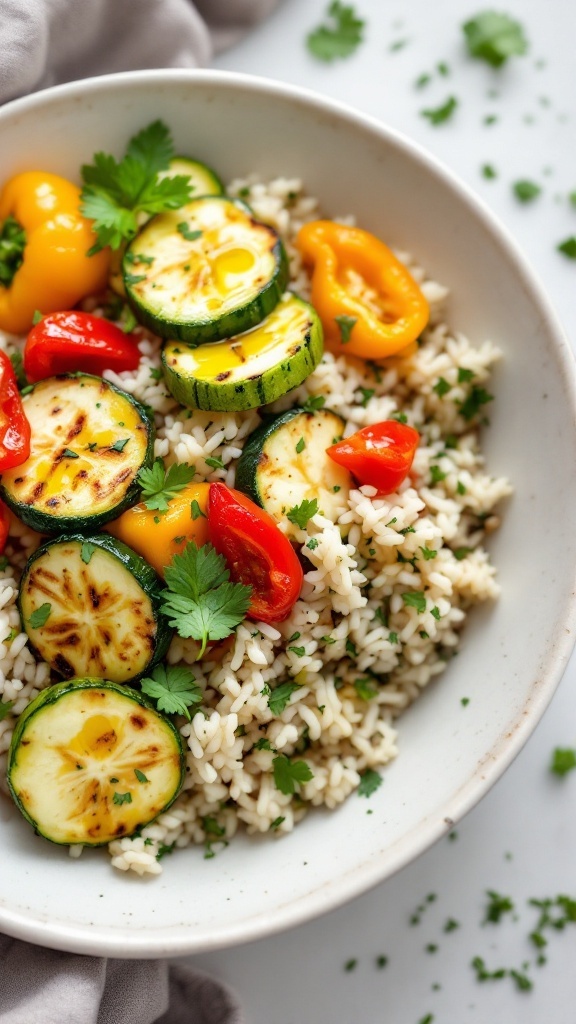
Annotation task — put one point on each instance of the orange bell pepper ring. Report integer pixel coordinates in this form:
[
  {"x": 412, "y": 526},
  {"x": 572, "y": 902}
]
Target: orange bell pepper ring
[
  {"x": 369, "y": 304},
  {"x": 44, "y": 243}
]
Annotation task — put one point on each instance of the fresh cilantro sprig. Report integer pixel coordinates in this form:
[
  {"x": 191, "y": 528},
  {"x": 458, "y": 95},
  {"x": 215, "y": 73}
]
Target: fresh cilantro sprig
[
  {"x": 494, "y": 37},
  {"x": 290, "y": 774},
  {"x": 160, "y": 486},
  {"x": 300, "y": 514},
  {"x": 340, "y": 36},
  {"x": 173, "y": 688},
  {"x": 115, "y": 192},
  {"x": 200, "y": 600}
]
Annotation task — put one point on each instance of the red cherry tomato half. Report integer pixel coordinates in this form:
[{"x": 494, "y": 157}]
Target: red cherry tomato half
[
  {"x": 257, "y": 552},
  {"x": 14, "y": 427},
  {"x": 70, "y": 341},
  {"x": 380, "y": 455},
  {"x": 4, "y": 525}
]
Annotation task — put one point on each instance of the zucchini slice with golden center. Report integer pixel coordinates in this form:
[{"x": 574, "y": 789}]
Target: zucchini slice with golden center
[
  {"x": 91, "y": 607},
  {"x": 89, "y": 441},
  {"x": 90, "y": 762},
  {"x": 250, "y": 369},
  {"x": 204, "y": 272},
  {"x": 284, "y": 461}
]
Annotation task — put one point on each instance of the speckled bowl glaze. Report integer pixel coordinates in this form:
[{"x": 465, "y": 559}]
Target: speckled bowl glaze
[{"x": 513, "y": 653}]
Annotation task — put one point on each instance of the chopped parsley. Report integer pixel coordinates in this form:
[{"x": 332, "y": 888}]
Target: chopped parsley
[
  {"x": 345, "y": 325},
  {"x": 436, "y": 474},
  {"x": 312, "y": 543},
  {"x": 370, "y": 781},
  {"x": 300, "y": 514},
  {"x": 313, "y": 403},
  {"x": 428, "y": 553},
  {"x": 435, "y": 613},
  {"x": 393, "y": 639},
  {"x": 86, "y": 551},
  {"x": 115, "y": 192},
  {"x": 339, "y": 36},
  {"x": 461, "y": 553},
  {"x": 365, "y": 689},
  {"x": 496, "y": 907},
  {"x": 298, "y": 651},
  {"x": 200, "y": 600},
  {"x": 5, "y": 708},
  {"x": 437, "y": 115},
  {"x": 195, "y": 511},
  {"x": 464, "y": 375},
  {"x": 274, "y": 825},
  {"x": 262, "y": 744},
  {"x": 214, "y": 463},
  {"x": 489, "y": 172},
  {"x": 140, "y": 775},
  {"x": 494, "y": 37},
  {"x": 526, "y": 190},
  {"x": 350, "y": 965},
  {"x": 367, "y": 394},
  {"x": 288, "y": 775},
  {"x": 187, "y": 233},
  {"x": 119, "y": 446},
  {"x": 300, "y": 446},
  {"x": 122, "y": 798},
  {"x": 160, "y": 486},
  {"x": 415, "y": 599},
  {"x": 174, "y": 689},
  {"x": 478, "y": 397},
  {"x": 280, "y": 696},
  {"x": 40, "y": 616},
  {"x": 441, "y": 387},
  {"x": 69, "y": 454}
]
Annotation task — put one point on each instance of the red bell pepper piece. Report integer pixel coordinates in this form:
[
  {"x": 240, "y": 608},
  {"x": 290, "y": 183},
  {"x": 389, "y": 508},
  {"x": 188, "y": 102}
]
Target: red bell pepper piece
[
  {"x": 380, "y": 455},
  {"x": 72, "y": 340},
  {"x": 14, "y": 427},
  {"x": 257, "y": 552}
]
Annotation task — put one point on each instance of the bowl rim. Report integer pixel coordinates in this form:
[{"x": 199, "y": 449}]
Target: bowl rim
[{"x": 175, "y": 940}]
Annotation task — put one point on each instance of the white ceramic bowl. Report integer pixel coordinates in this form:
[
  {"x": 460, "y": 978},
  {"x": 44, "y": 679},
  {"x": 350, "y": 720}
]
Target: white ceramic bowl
[{"x": 513, "y": 653}]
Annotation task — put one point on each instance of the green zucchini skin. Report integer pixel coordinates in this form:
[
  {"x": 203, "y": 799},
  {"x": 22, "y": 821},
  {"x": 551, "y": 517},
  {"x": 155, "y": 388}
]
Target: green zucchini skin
[
  {"x": 65, "y": 641},
  {"x": 18, "y": 487},
  {"x": 240, "y": 378},
  {"x": 191, "y": 304},
  {"x": 204, "y": 179},
  {"x": 56, "y": 696},
  {"x": 277, "y": 474}
]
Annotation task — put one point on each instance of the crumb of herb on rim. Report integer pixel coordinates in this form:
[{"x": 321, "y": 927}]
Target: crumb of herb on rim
[
  {"x": 350, "y": 965},
  {"x": 496, "y": 907},
  {"x": 489, "y": 172},
  {"x": 381, "y": 961},
  {"x": 437, "y": 115}
]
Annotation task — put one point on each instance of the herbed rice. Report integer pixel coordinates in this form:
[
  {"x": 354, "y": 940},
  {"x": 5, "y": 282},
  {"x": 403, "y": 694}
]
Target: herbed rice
[{"x": 351, "y": 623}]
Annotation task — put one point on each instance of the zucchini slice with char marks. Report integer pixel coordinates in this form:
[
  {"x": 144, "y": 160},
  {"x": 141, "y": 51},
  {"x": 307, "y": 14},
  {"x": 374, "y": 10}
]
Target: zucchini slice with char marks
[
  {"x": 249, "y": 369},
  {"x": 204, "y": 272},
  {"x": 90, "y": 762},
  {"x": 89, "y": 441},
  {"x": 284, "y": 461},
  {"x": 91, "y": 607}
]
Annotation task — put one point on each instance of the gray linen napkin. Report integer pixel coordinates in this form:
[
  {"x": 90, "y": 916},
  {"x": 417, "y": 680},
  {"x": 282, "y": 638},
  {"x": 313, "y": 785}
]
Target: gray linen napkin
[{"x": 43, "y": 43}]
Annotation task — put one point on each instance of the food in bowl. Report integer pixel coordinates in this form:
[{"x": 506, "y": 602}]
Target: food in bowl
[{"x": 318, "y": 555}]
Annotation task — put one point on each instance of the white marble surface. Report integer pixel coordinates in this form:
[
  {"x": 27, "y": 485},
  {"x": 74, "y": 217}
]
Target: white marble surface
[{"x": 520, "y": 841}]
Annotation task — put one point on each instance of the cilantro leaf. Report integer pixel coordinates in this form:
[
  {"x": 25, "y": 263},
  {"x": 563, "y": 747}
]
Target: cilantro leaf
[
  {"x": 279, "y": 697},
  {"x": 489, "y": 172},
  {"x": 415, "y": 599},
  {"x": 290, "y": 774},
  {"x": 160, "y": 486},
  {"x": 119, "y": 445},
  {"x": 300, "y": 514},
  {"x": 200, "y": 601},
  {"x": 494, "y": 37},
  {"x": 173, "y": 688},
  {"x": 340, "y": 37},
  {"x": 471, "y": 405},
  {"x": 497, "y": 906},
  {"x": 345, "y": 325},
  {"x": 5, "y": 708},
  {"x": 12, "y": 245},
  {"x": 313, "y": 403},
  {"x": 140, "y": 775},
  {"x": 526, "y": 190},
  {"x": 369, "y": 782},
  {"x": 563, "y": 761},
  {"x": 115, "y": 192},
  {"x": 122, "y": 798},
  {"x": 40, "y": 616},
  {"x": 365, "y": 689},
  {"x": 86, "y": 551},
  {"x": 187, "y": 233},
  {"x": 437, "y": 115}
]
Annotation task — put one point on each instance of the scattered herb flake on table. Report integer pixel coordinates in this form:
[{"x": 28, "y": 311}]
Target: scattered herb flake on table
[
  {"x": 494, "y": 37},
  {"x": 563, "y": 761},
  {"x": 526, "y": 190},
  {"x": 339, "y": 36},
  {"x": 568, "y": 247},
  {"x": 437, "y": 115}
]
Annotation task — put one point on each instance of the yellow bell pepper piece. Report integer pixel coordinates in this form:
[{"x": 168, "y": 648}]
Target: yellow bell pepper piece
[
  {"x": 56, "y": 271},
  {"x": 369, "y": 304},
  {"x": 159, "y": 536}
]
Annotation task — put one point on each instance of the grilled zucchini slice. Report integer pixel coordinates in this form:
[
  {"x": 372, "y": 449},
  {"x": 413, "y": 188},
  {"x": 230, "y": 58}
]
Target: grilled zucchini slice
[
  {"x": 89, "y": 442},
  {"x": 250, "y": 369},
  {"x": 90, "y": 762},
  {"x": 284, "y": 461},
  {"x": 204, "y": 181},
  {"x": 91, "y": 607},
  {"x": 204, "y": 272}
]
